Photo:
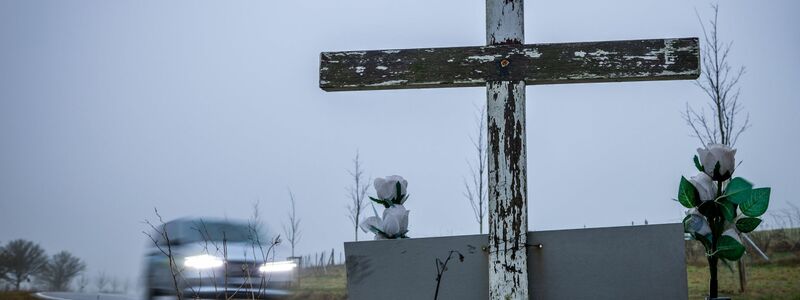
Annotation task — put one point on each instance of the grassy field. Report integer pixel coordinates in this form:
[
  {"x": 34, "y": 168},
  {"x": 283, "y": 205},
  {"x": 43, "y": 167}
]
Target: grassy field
[
  {"x": 17, "y": 296},
  {"x": 318, "y": 285},
  {"x": 763, "y": 282},
  {"x": 777, "y": 279}
]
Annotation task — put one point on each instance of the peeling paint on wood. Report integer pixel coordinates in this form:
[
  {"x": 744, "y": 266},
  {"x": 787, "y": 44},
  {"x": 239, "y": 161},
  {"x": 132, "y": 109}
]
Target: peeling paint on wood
[
  {"x": 507, "y": 176},
  {"x": 507, "y": 187},
  {"x": 634, "y": 60}
]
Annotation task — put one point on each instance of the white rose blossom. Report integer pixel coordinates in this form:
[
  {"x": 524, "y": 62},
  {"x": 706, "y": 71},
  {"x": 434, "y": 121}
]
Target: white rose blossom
[
  {"x": 395, "y": 220},
  {"x": 386, "y": 188},
  {"x": 714, "y": 154},
  {"x": 705, "y": 186},
  {"x": 394, "y": 223},
  {"x": 391, "y": 193}
]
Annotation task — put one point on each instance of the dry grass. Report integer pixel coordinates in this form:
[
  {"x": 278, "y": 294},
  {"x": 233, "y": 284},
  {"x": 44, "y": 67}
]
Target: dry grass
[
  {"x": 17, "y": 296},
  {"x": 318, "y": 285},
  {"x": 779, "y": 279},
  {"x": 763, "y": 282}
]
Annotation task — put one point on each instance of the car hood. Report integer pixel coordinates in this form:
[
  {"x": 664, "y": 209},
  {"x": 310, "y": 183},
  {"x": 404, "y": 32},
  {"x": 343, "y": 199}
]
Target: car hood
[{"x": 238, "y": 251}]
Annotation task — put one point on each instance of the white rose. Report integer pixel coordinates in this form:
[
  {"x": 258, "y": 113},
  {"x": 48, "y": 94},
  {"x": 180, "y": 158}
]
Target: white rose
[
  {"x": 705, "y": 186},
  {"x": 395, "y": 221},
  {"x": 714, "y": 154},
  {"x": 386, "y": 188},
  {"x": 697, "y": 223}
]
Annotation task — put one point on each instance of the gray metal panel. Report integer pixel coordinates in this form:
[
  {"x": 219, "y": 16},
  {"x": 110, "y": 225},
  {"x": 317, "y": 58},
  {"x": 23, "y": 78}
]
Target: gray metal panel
[
  {"x": 405, "y": 269},
  {"x": 631, "y": 262}
]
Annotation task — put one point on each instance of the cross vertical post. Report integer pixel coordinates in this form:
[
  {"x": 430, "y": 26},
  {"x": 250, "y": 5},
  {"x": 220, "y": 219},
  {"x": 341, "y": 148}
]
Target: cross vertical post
[{"x": 507, "y": 177}]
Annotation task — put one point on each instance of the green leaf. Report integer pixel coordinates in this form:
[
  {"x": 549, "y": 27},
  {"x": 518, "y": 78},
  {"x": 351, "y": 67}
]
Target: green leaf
[
  {"x": 703, "y": 239},
  {"x": 738, "y": 190},
  {"x": 757, "y": 204},
  {"x": 697, "y": 164},
  {"x": 687, "y": 194},
  {"x": 377, "y": 230},
  {"x": 728, "y": 210},
  {"x": 747, "y": 224},
  {"x": 729, "y": 248},
  {"x": 398, "y": 196},
  {"x": 385, "y": 203}
]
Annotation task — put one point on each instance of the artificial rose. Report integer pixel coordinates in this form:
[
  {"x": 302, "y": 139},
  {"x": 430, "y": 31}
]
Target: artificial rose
[
  {"x": 705, "y": 186},
  {"x": 715, "y": 154},
  {"x": 697, "y": 223},
  {"x": 393, "y": 225},
  {"x": 395, "y": 221},
  {"x": 386, "y": 188}
]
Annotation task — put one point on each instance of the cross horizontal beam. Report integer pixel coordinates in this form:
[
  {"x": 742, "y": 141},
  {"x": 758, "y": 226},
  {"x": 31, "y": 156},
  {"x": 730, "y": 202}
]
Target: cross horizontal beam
[{"x": 632, "y": 60}]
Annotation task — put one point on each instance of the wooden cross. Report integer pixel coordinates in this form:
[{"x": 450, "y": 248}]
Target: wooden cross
[{"x": 504, "y": 67}]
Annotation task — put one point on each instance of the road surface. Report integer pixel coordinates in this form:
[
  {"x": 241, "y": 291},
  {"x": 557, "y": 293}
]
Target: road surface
[{"x": 82, "y": 296}]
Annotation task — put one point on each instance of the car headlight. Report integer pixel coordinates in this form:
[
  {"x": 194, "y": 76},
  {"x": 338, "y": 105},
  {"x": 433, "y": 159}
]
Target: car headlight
[
  {"x": 204, "y": 261},
  {"x": 278, "y": 266}
]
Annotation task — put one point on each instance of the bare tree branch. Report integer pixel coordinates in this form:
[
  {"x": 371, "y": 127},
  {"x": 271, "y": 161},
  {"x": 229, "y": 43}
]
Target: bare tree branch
[
  {"x": 163, "y": 236},
  {"x": 475, "y": 189},
  {"x": 357, "y": 193},
  {"x": 292, "y": 231},
  {"x": 720, "y": 83}
]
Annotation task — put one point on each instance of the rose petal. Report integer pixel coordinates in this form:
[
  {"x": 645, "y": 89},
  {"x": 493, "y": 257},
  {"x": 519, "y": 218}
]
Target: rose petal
[
  {"x": 368, "y": 224},
  {"x": 704, "y": 185},
  {"x": 391, "y": 226}
]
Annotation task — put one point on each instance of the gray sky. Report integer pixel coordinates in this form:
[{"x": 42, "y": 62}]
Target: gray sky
[{"x": 201, "y": 108}]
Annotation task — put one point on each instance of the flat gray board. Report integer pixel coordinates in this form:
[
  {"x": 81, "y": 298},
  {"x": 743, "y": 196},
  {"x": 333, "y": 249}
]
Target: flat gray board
[{"x": 631, "y": 262}]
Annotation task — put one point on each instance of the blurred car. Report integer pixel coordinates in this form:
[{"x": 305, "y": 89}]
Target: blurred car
[{"x": 214, "y": 259}]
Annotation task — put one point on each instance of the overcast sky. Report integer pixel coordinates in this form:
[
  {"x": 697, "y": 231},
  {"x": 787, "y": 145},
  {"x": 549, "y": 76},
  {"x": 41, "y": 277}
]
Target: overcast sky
[{"x": 201, "y": 108}]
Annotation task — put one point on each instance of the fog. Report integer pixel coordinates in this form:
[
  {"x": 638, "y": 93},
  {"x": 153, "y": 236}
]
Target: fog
[{"x": 109, "y": 109}]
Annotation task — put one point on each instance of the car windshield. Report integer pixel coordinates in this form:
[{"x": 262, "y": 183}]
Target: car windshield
[
  {"x": 218, "y": 231},
  {"x": 184, "y": 232}
]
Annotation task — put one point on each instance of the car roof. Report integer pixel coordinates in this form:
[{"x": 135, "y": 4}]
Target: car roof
[{"x": 208, "y": 220}]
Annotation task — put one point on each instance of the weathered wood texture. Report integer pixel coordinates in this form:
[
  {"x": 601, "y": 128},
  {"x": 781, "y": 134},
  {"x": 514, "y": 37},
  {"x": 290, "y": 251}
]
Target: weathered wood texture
[
  {"x": 507, "y": 177},
  {"x": 633, "y": 60},
  {"x": 508, "y": 191}
]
